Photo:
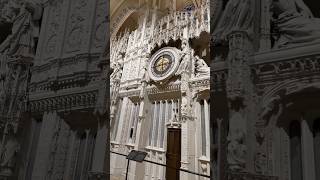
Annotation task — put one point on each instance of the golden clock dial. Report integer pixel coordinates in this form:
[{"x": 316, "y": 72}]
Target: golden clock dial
[{"x": 162, "y": 64}]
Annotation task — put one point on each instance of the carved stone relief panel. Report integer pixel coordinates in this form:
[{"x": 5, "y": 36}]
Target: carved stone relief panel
[
  {"x": 54, "y": 25},
  {"x": 77, "y": 26},
  {"x": 100, "y": 29}
]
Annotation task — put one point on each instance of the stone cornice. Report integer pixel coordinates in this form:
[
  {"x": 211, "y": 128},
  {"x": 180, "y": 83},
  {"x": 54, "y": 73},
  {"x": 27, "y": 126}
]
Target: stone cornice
[
  {"x": 287, "y": 53},
  {"x": 70, "y": 60},
  {"x": 64, "y": 102},
  {"x": 278, "y": 65}
]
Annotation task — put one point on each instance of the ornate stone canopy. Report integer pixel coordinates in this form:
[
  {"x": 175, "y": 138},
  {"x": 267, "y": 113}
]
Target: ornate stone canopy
[{"x": 125, "y": 13}]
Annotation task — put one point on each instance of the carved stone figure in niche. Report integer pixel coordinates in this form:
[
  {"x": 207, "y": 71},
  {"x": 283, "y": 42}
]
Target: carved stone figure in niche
[
  {"x": 202, "y": 69},
  {"x": 293, "y": 23},
  {"x": 8, "y": 155},
  {"x": 272, "y": 108},
  {"x": 24, "y": 17},
  {"x": 237, "y": 16},
  {"x": 175, "y": 121},
  {"x": 144, "y": 76},
  {"x": 185, "y": 56},
  {"x": 115, "y": 78},
  {"x": 236, "y": 147},
  {"x": 184, "y": 106},
  {"x": 117, "y": 70},
  {"x": 237, "y": 152}
]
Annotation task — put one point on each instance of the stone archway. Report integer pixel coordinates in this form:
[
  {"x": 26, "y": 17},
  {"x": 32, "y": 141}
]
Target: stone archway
[{"x": 298, "y": 106}]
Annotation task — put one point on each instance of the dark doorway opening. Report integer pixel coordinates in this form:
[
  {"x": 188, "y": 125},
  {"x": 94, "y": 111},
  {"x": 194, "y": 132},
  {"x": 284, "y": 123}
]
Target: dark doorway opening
[{"x": 173, "y": 154}]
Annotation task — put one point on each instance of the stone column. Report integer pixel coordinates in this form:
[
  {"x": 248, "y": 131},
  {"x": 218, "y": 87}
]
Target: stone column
[
  {"x": 308, "y": 164},
  {"x": 207, "y": 130},
  {"x": 43, "y": 150},
  {"x": 187, "y": 148},
  {"x": 239, "y": 94},
  {"x": 265, "y": 18},
  {"x": 219, "y": 156},
  {"x": 187, "y": 128},
  {"x": 67, "y": 172},
  {"x": 98, "y": 163},
  {"x": 143, "y": 128},
  {"x": 121, "y": 119}
]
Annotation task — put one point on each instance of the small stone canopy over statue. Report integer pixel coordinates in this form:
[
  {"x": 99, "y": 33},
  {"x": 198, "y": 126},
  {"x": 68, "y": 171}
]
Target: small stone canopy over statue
[
  {"x": 24, "y": 17},
  {"x": 185, "y": 63},
  {"x": 237, "y": 16},
  {"x": 293, "y": 23},
  {"x": 202, "y": 69}
]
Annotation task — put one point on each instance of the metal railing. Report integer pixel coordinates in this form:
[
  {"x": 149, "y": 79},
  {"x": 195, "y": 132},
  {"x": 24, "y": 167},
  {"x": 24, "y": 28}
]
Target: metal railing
[{"x": 164, "y": 165}]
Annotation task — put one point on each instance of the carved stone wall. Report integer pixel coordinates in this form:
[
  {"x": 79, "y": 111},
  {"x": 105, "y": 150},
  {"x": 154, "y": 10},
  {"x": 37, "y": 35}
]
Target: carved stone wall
[
  {"x": 180, "y": 92},
  {"x": 276, "y": 77},
  {"x": 57, "y": 79}
]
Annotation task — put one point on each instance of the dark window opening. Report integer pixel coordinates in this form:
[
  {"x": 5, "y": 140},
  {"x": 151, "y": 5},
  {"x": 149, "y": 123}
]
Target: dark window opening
[
  {"x": 131, "y": 132},
  {"x": 313, "y": 5},
  {"x": 5, "y": 31},
  {"x": 295, "y": 151}
]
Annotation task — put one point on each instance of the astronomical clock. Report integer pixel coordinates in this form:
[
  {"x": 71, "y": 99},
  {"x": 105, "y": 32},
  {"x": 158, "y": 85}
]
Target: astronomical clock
[{"x": 163, "y": 64}]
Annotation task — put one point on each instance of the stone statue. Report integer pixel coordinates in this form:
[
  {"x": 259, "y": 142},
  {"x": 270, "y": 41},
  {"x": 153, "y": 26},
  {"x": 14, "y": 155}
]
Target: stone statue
[
  {"x": 117, "y": 72},
  {"x": 115, "y": 79},
  {"x": 8, "y": 155},
  {"x": 293, "y": 23},
  {"x": 185, "y": 106},
  {"x": 236, "y": 147},
  {"x": 237, "y": 16},
  {"x": 144, "y": 76},
  {"x": 236, "y": 152},
  {"x": 185, "y": 56},
  {"x": 202, "y": 69},
  {"x": 269, "y": 106},
  {"x": 23, "y": 16},
  {"x": 174, "y": 121}
]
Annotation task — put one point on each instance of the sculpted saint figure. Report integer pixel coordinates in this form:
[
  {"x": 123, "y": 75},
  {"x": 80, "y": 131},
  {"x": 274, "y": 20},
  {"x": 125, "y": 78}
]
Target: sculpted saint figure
[
  {"x": 23, "y": 16},
  {"x": 294, "y": 23},
  {"x": 185, "y": 56},
  {"x": 144, "y": 76},
  {"x": 202, "y": 69},
  {"x": 115, "y": 78},
  {"x": 117, "y": 72},
  {"x": 8, "y": 154},
  {"x": 236, "y": 147},
  {"x": 237, "y": 16}
]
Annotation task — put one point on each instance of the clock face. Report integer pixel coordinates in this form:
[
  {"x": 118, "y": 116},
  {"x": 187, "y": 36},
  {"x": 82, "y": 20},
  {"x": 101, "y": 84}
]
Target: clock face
[{"x": 163, "y": 63}]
